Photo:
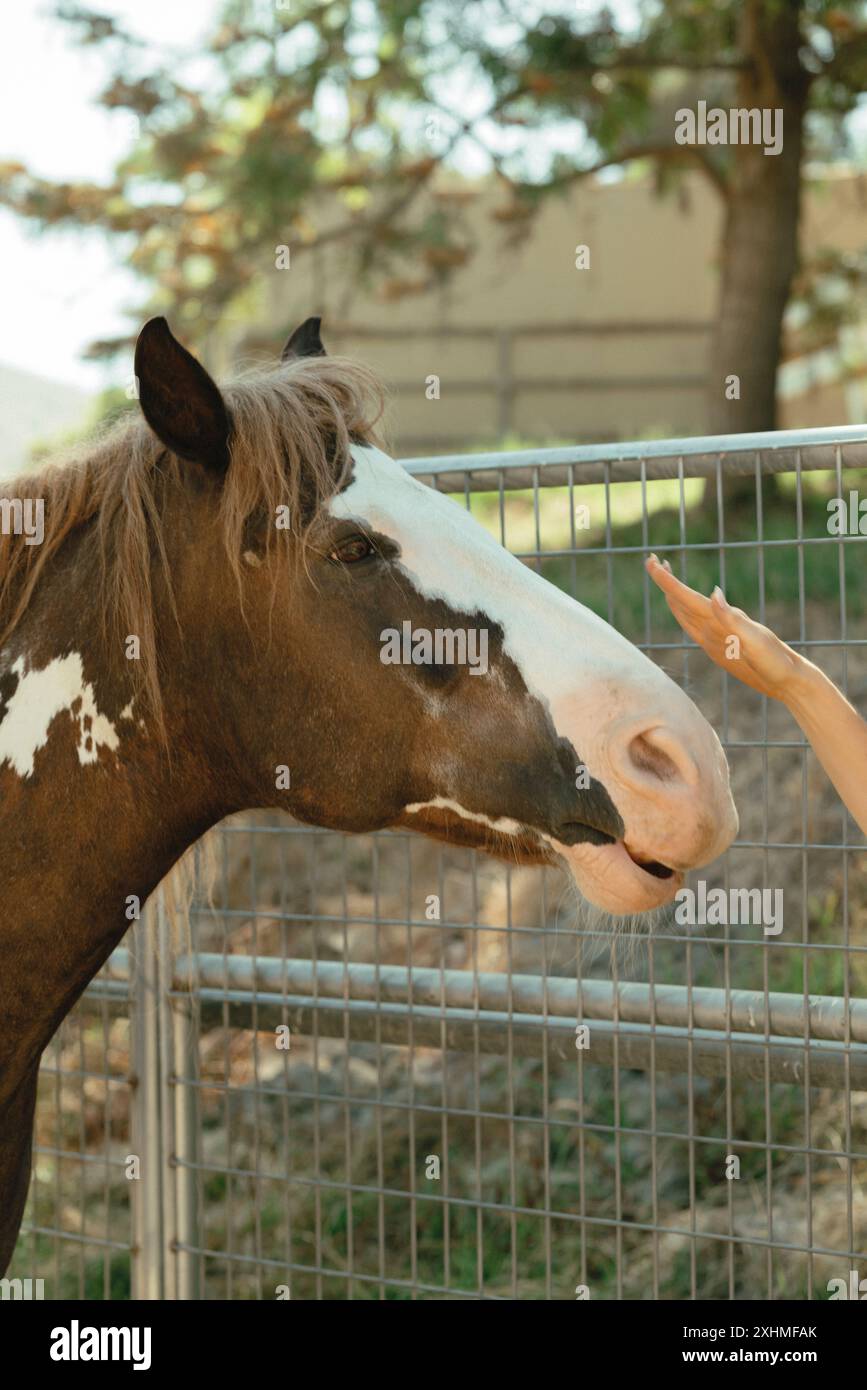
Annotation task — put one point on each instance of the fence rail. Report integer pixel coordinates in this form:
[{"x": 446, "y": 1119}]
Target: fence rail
[
  {"x": 457, "y": 1040},
  {"x": 677, "y": 1026},
  {"x": 736, "y": 455}
]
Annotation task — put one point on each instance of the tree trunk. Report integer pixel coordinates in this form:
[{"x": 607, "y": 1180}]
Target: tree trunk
[{"x": 760, "y": 245}]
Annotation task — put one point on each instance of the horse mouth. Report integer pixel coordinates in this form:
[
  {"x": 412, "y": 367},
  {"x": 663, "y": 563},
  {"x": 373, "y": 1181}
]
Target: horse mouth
[
  {"x": 594, "y": 835},
  {"x": 650, "y": 866}
]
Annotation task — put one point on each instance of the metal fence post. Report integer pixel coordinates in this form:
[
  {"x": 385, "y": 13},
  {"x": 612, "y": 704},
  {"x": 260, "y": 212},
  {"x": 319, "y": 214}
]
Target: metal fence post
[
  {"x": 178, "y": 1037},
  {"x": 165, "y": 1116},
  {"x": 147, "y": 1197},
  {"x": 185, "y": 1114}
]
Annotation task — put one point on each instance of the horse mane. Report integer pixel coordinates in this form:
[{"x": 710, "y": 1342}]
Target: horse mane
[{"x": 290, "y": 422}]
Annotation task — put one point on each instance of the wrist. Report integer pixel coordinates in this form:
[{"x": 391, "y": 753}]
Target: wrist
[{"x": 803, "y": 689}]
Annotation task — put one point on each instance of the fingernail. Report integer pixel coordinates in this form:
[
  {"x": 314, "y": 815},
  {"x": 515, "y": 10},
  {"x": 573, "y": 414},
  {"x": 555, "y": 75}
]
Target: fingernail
[
  {"x": 720, "y": 596},
  {"x": 666, "y": 566}
]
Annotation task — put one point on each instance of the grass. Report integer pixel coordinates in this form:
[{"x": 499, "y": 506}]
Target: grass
[{"x": 615, "y": 586}]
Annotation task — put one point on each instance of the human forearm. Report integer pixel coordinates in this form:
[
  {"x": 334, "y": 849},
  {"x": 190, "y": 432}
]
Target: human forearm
[{"x": 836, "y": 731}]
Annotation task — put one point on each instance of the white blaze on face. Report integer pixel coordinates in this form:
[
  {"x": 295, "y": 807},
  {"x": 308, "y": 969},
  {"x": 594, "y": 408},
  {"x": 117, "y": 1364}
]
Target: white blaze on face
[
  {"x": 602, "y": 693},
  {"x": 549, "y": 636},
  {"x": 37, "y": 700}
]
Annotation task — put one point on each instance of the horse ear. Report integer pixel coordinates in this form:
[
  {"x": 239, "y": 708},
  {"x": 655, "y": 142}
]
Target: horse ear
[
  {"x": 179, "y": 400},
  {"x": 304, "y": 342}
]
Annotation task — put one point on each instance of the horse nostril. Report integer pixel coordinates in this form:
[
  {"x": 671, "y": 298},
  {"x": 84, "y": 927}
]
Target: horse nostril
[
  {"x": 649, "y": 759},
  {"x": 659, "y": 753}
]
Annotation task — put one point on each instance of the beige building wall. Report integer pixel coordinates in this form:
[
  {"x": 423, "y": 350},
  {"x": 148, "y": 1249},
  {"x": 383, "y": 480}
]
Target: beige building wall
[{"x": 524, "y": 345}]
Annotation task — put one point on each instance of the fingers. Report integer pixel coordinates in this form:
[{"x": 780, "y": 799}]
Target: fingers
[
  {"x": 720, "y": 603},
  {"x": 712, "y": 622},
  {"x": 706, "y": 620},
  {"x": 677, "y": 593},
  {"x": 732, "y": 619}
]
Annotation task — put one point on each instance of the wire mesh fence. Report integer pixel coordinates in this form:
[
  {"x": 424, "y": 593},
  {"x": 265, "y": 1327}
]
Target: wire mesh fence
[{"x": 365, "y": 1074}]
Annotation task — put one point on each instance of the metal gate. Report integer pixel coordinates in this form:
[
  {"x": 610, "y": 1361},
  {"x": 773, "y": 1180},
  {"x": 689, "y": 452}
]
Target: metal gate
[{"x": 358, "y": 1075}]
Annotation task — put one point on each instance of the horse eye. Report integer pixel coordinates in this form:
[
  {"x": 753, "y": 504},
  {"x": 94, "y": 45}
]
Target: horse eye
[{"x": 350, "y": 551}]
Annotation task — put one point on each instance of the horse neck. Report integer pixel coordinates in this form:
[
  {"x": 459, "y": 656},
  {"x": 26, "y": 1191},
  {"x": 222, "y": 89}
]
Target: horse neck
[{"x": 86, "y": 830}]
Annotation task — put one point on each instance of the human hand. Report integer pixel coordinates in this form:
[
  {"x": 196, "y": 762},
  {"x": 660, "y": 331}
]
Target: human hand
[{"x": 734, "y": 641}]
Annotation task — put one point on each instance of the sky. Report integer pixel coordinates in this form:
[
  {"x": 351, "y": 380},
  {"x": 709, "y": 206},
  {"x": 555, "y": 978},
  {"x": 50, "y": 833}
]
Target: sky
[{"x": 60, "y": 290}]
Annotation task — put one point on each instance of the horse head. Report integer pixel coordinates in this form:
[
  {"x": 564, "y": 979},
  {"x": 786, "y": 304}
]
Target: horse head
[{"x": 379, "y": 660}]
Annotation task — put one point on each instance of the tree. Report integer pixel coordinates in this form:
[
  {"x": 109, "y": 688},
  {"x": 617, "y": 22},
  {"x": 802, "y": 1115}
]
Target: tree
[
  {"x": 800, "y": 57},
  {"x": 360, "y": 103}
]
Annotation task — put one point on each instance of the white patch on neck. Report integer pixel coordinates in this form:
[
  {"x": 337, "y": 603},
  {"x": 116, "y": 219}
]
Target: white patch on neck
[{"x": 38, "y": 698}]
